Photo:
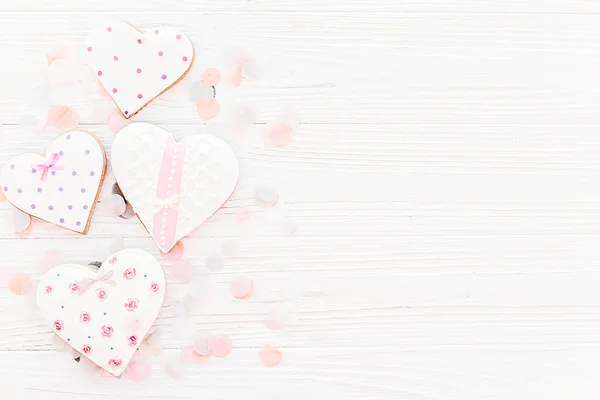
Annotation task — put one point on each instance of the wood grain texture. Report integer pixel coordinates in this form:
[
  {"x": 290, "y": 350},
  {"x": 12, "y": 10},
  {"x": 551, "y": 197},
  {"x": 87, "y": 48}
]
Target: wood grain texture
[{"x": 443, "y": 177}]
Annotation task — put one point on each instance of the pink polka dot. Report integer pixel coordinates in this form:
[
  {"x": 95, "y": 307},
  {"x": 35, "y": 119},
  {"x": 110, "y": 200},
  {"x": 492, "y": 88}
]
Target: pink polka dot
[
  {"x": 139, "y": 71},
  {"x": 156, "y": 32},
  {"x": 99, "y": 73},
  {"x": 160, "y": 53},
  {"x": 184, "y": 58},
  {"x": 116, "y": 58},
  {"x": 114, "y": 90},
  {"x": 126, "y": 112},
  {"x": 140, "y": 96},
  {"x": 89, "y": 49},
  {"x": 139, "y": 41},
  {"x": 178, "y": 37},
  {"x": 164, "y": 76},
  {"x": 109, "y": 29}
]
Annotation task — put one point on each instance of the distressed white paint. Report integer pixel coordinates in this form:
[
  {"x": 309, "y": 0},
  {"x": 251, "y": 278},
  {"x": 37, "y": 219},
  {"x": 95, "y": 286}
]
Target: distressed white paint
[{"x": 444, "y": 180}]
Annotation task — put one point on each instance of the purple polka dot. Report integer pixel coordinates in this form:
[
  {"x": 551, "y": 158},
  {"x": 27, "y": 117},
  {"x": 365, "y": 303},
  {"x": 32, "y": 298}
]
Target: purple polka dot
[
  {"x": 164, "y": 76},
  {"x": 68, "y": 137},
  {"x": 70, "y": 207},
  {"x": 20, "y": 190},
  {"x": 61, "y": 220},
  {"x": 39, "y": 190},
  {"x": 33, "y": 206},
  {"x": 5, "y": 189},
  {"x": 33, "y": 171},
  {"x": 74, "y": 173},
  {"x": 139, "y": 71},
  {"x": 12, "y": 167},
  {"x": 60, "y": 189},
  {"x": 184, "y": 58},
  {"x": 87, "y": 152},
  {"x": 92, "y": 173},
  {"x": 178, "y": 37},
  {"x": 109, "y": 29},
  {"x": 99, "y": 73},
  {"x": 61, "y": 153},
  {"x": 82, "y": 190},
  {"x": 85, "y": 207},
  {"x": 116, "y": 58},
  {"x": 78, "y": 223},
  {"x": 50, "y": 208},
  {"x": 89, "y": 49},
  {"x": 53, "y": 172}
]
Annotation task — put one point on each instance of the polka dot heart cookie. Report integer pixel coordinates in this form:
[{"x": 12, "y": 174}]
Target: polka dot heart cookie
[
  {"x": 104, "y": 314},
  {"x": 60, "y": 187},
  {"x": 136, "y": 67}
]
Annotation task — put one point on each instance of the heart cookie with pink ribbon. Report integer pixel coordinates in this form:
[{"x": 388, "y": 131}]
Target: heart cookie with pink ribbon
[
  {"x": 136, "y": 67},
  {"x": 172, "y": 186},
  {"x": 104, "y": 314},
  {"x": 60, "y": 187}
]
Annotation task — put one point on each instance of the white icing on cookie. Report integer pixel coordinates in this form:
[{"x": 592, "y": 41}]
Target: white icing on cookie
[
  {"x": 172, "y": 186},
  {"x": 136, "y": 67},
  {"x": 104, "y": 314},
  {"x": 60, "y": 187}
]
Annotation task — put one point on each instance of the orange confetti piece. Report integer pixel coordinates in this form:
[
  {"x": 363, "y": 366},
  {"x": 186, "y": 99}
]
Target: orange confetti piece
[
  {"x": 208, "y": 108},
  {"x": 211, "y": 76},
  {"x": 269, "y": 356},
  {"x": 20, "y": 283}
]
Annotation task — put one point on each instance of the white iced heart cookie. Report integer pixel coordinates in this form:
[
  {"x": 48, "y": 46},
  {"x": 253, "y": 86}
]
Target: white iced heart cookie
[
  {"x": 104, "y": 315},
  {"x": 172, "y": 186},
  {"x": 136, "y": 67},
  {"x": 60, "y": 187}
]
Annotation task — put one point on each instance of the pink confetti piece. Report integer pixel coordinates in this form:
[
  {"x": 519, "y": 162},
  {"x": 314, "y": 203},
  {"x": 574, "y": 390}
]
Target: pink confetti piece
[
  {"x": 201, "y": 347},
  {"x": 176, "y": 252},
  {"x": 269, "y": 356},
  {"x": 20, "y": 221},
  {"x": 211, "y": 76},
  {"x": 208, "y": 108},
  {"x": 279, "y": 134},
  {"x": 189, "y": 356},
  {"x": 116, "y": 121},
  {"x": 220, "y": 345},
  {"x": 62, "y": 117},
  {"x": 49, "y": 259},
  {"x": 138, "y": 371},
  {"x": 242, "y": 287}
]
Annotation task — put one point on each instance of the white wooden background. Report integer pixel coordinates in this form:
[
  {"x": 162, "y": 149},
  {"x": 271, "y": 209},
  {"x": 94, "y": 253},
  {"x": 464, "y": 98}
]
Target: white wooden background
[{"x": 444, "y": 179}]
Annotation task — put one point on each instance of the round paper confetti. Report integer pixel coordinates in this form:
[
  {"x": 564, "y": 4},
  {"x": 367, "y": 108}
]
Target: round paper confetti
[
  {"x": 61, "y": 72},
  {"x": 233, "y": 78},
  {"x": 19, "y": 220},
  {"x": 242, "y": 287},
  {"x": 176, "y": 252},
  {"x": 61, "y": 52},
  {"x": 183, "y": 271},
  {"x": 208, "y": 108},
  {"x": 116, "y": 121},
  {"x": 113, "y": 205},
  {"x": 269, "y": 356},
  {"x": 201, "y": 90},
  {"x": 219, "y": 345},
  {"x": 174, "y": 369},
  {"x": 279, "y": 134},
  {"x": 211, "y": 76},
  {"x": 138, "y": 370},
  {"x": 200, "y": 346},
  {"x": 267, "y": 195},
  {"x": 189, "y": 356},
  {"x": 49, "y": 259},
  {"x": 62, "y": 117},
  {"x": 20, "y": 283},
  {"x": 214, "y": 262}
]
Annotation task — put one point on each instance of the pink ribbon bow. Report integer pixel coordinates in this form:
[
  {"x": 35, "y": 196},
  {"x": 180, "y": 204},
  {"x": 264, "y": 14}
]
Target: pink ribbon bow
[
  {"x": 87, "y": 282},
  {"x": 170, "y": 202},
  {"x": 50, "y": 164}
]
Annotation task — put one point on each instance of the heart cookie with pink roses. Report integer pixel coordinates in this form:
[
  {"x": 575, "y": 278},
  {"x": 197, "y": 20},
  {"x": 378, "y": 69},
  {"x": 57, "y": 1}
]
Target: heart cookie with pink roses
[
  {"x": 104, "y": 314},
  {"x": 136, "y": 67},
  {"x": 60, "y": 187}
]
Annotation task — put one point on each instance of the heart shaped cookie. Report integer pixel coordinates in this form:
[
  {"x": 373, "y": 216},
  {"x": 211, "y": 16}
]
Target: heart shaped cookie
[
  {"x": 136, "y": 67},
  {"x": 104, "y": 314},
  {"x": 60, "y": 187},
  {"x": 172, "y": 186}
]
